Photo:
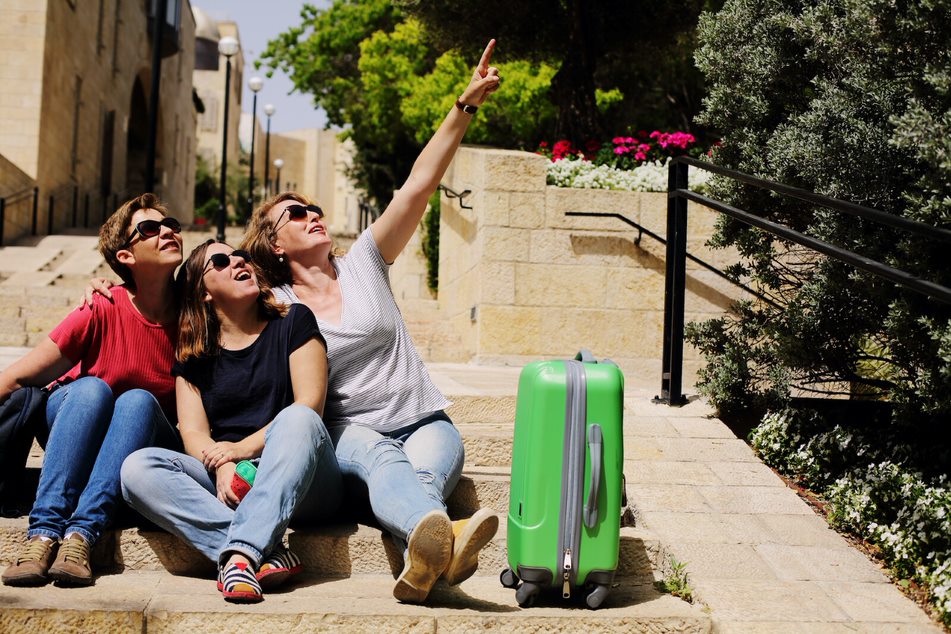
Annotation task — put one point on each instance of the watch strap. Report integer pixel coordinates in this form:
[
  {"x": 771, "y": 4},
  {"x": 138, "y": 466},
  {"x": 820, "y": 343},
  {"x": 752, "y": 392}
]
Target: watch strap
[{"x": 466, "y": 107}]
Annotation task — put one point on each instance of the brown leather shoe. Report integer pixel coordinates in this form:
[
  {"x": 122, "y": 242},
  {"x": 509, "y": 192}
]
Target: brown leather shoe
[
  {"x": 72, "y": 563},
  {"x": 33, "y": 564}
]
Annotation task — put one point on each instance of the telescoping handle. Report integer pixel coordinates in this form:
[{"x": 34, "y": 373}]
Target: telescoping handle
[{"x": 596, "y": 448}]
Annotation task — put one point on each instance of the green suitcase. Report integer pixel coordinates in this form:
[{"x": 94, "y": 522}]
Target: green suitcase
[{"x": 565, "y": 501}]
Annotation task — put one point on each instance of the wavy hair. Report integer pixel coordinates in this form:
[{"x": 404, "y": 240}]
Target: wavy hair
[
  {"x": 199, "y": 331},
  {"x": 259, "y": 238}
]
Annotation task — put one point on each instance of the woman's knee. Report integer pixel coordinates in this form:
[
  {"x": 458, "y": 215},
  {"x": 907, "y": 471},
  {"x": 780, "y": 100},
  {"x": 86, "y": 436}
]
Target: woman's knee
[
  {"x": 137, "y": 471},
  {"x": 91, "y": 389},
  {"x": 299, "y": 424}
]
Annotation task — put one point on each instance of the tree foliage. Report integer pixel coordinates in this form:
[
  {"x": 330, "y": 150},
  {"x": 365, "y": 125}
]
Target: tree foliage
[
  {"x": 389, "y": 71},
  {"x": 643, "y": 49},
  {"x": 850, "y": 99}
]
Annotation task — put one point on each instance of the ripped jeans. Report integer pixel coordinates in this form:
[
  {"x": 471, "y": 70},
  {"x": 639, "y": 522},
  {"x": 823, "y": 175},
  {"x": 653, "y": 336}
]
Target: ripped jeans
[{"x": 408, "y": 472}]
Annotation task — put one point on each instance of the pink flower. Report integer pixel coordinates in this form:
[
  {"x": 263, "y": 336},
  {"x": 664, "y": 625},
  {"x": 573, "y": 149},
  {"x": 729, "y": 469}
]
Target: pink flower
[
  {"x": 618, "y": 140},
  {"x": 640, "y": 156},
  {"x": 630, "y": 140}
]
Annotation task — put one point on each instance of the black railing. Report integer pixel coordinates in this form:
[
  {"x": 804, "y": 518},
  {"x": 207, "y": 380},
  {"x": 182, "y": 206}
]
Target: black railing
[
  {"x": 63, "y": 207},
  {"x": 679, "y": 194},
  {"x": 367, "y": 213},
  {"x": 454, "y": 194}
]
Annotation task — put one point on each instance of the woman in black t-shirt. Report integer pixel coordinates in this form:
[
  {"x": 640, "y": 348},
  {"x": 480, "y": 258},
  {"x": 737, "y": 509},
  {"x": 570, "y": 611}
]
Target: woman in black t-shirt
[{"x": 251, "y": 383}]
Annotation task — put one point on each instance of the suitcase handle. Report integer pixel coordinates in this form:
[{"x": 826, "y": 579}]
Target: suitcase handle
[
  {"x": 585, "y": 356},
  {"x": 596, "y": 447}
]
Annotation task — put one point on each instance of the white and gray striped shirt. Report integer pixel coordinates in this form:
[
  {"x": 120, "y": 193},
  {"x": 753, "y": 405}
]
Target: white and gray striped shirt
[{"x": 377, "y": 378}]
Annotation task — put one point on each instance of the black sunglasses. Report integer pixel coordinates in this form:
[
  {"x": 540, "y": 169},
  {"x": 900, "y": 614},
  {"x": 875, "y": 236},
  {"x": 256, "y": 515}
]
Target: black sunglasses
[
  {"x": 151, "y": 228},
  {"x": 297, "y": 212},
  {"x": 223, "y": 260}
]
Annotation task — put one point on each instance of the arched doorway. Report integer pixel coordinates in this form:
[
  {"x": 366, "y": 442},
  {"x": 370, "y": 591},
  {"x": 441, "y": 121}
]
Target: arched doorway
[{"x": 137, "y": 141}]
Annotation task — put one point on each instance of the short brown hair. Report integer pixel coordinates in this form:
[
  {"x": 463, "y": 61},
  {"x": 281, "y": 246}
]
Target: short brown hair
[
  {"x": 113, "y": 233},
  {"x": 199, "y": 333},
  {"x": 259, "y": 239}
]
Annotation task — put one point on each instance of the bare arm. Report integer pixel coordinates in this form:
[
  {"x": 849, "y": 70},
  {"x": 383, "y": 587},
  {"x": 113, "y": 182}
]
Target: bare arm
[
  {"x": 393, "y": 229},
  {"x": 38, "y": 367},
  {"x": 196, "y": 435}
]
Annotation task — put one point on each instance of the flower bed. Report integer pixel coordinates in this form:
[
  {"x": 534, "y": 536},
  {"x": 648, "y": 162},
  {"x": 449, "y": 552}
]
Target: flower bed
[
  {"x": 632, "y": 163},
  {"x": 901, "y": 511}
]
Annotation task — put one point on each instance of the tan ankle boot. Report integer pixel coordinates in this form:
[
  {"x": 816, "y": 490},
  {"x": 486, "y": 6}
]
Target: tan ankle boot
[{"x": 469, "y": 537}]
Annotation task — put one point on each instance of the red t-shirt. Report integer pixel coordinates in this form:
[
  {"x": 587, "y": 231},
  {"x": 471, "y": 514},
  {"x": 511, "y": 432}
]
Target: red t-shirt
[{"x": 117, "y": 344}]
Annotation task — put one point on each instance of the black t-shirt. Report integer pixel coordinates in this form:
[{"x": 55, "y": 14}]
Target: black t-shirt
[{"x": 243, "y": 390}]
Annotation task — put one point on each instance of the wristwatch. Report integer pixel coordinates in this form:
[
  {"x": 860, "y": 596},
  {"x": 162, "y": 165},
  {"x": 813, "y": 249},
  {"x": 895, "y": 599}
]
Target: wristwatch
[{"x": 466, "y": 107}]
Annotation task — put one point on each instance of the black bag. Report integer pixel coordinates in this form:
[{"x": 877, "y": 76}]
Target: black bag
[{"x": 22, "y": 418}]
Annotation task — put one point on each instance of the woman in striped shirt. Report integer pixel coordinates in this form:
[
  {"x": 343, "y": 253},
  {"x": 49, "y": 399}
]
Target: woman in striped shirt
[{"x": 384, "y": 414}]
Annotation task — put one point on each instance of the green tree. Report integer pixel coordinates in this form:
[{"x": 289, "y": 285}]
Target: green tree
[
  {"x": 323, "y": 56},
  {"x": 849, "y": 99},
  {"x": 642, "y": 48}
]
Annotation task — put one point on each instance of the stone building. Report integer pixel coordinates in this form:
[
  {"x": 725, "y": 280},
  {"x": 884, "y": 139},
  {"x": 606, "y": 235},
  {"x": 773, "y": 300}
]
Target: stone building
[
  {"x": 316, "y": 164},
  {"x": 74, "y": 113},
  {"x": 209, "y": 82}
]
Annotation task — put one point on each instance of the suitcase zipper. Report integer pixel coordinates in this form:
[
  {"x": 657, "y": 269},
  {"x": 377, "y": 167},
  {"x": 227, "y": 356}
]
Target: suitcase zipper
[{"x": 572, "y": 473}]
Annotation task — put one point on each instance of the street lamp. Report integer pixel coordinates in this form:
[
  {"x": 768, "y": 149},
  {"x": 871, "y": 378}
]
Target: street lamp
[
  {"x": 269, "y": 110},
  {"x": 255, "y": 84},
  {"x": 278, "y": 163},
  {"x": 227, "y": 46}
]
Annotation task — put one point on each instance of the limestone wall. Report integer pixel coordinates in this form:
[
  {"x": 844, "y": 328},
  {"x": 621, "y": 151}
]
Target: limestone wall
[
  {"x": 75, "y": 116},
  {"x": 519, "y": 280}
]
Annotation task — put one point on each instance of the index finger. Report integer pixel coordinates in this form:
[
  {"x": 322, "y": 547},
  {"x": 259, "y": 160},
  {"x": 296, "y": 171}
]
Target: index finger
[{"x": 483, "y": 66}]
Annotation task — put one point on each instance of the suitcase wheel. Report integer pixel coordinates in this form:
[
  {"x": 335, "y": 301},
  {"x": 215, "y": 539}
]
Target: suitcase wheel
[
  {"x": 526, "y": 593},
  {"x": 596, "y": 597},
  {"x": 508, "y": 578}
]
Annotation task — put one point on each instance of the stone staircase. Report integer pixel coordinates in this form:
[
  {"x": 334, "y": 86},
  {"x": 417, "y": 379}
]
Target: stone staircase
[{"x": 150, "y": 581}]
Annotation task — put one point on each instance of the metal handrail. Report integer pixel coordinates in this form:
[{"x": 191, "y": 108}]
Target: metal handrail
[
  {"x": 678, "y": 196},
  {"x": 875, "y": 215},
  {"x": 642, "y": 231},
  {"x": 454, "y": 194}
]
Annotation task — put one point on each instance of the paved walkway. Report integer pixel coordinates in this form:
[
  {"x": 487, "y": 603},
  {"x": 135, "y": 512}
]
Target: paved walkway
[{"x": 758, "y": 557}]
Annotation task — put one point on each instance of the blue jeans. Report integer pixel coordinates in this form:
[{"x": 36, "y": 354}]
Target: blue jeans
[
  {"x": 407, "y": 472},
  {"x": 91, "y": 433},
  {"x": 297, "y": 477}
]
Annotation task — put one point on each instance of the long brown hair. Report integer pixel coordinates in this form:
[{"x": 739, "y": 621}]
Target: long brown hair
[
  {"x": 259, "y": 238},
  {"x": 199, "y": 332}
]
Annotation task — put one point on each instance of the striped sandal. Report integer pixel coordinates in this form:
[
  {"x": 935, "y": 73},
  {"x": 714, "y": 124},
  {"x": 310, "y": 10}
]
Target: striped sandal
[
  {"x": 281, "y": 565},
  {"x": 238, "y": 584}
]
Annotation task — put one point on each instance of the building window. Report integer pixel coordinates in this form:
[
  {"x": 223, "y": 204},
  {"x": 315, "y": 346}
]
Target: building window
[
  {"x": 105, "y": 152},
  {"x": 100, "y": 44},
  {"x": 116, "y": 21},
  {"x": 74, "y": 154},
  {"x": 206, "y": 54}
]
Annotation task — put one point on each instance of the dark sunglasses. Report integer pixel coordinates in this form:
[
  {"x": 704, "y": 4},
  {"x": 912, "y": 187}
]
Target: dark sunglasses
[
  {"x": 223, "y": 260},
  {"x": 297, "y": 212},
  {"x": 151, "y": 228}
]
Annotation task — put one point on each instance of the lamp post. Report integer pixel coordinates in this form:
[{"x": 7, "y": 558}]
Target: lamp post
[
  {"x": 255, "y": 84},
  {"x": 278, "y": 163},
  {"x": 269, "y": 110},
  {"x": 227, "y": 46},
  {"x": 158, "y": 24}
]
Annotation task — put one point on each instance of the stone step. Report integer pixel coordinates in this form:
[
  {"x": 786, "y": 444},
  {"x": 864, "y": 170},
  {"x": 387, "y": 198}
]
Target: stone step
[
  {"x": 339, "y": 550},
  {"x": 159, "y": 602}
]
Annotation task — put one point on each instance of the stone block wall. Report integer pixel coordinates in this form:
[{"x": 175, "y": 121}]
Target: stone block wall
[{"x": 519, "y": 280}]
